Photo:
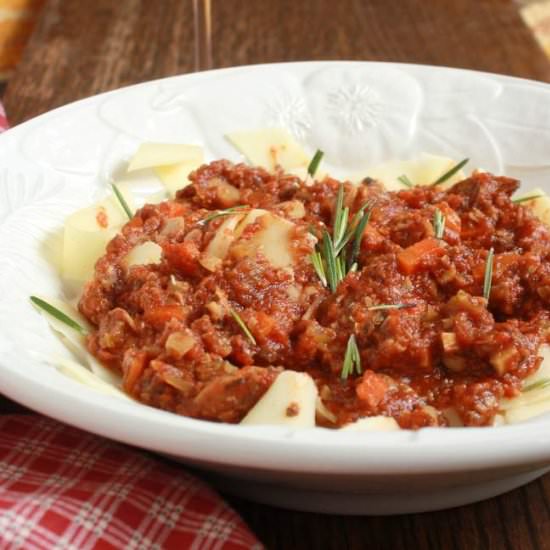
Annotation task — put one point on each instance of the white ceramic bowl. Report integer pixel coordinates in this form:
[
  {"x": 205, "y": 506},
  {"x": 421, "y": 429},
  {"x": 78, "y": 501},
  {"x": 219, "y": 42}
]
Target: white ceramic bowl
[{"x": 360, "y": 114}]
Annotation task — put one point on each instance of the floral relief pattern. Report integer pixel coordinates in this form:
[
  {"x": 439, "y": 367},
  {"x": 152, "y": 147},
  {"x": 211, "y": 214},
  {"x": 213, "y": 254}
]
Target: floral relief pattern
[
  {"x": 291, "y": 113},
  {"x": 355, "y": 109}
]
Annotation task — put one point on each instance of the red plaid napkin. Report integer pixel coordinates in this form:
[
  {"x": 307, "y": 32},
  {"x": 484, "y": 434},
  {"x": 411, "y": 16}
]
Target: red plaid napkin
[{"x": 63, "y": 488}]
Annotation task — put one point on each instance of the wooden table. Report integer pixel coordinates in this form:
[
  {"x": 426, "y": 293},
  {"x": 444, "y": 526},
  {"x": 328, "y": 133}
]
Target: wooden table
[{"x": 84, "y": 47}]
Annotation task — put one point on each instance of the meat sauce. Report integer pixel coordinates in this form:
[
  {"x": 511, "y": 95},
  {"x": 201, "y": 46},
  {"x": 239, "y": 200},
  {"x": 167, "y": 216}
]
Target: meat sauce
[{"x": 169, "y": 328}]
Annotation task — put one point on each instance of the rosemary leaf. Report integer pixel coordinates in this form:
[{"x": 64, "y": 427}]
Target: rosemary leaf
[
  {"x": 330, "y": 260},
  {"x": 450, "y": 173},
  {"x": 405, "y": 181},
  {"x": 122, "y": 201},
  {"x": 488, "y": 277},
  {"x": 352, "y": 359},
  {"x": 339, "y": 227},
  {"x": 317, "y": 261},
  {"x": 527, "y": 198},
  {"x": 58, "y": 314},
  {"x": 242, "y": 326},
  {"x": 226, "y": 212},
  {"x": 315, "y": 161},
  {"x": 357, "y": 237},
  {"x": 439, "y": 224},
  {"x": 380, "y": 307},
  {"x": 538, "y": 385},
  {"x": 342, "y": 229},
  {"x": 352, "y": 226}
]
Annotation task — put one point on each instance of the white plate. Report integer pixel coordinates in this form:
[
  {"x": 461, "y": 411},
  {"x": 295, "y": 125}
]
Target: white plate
[{"x": 359, "y": 114}]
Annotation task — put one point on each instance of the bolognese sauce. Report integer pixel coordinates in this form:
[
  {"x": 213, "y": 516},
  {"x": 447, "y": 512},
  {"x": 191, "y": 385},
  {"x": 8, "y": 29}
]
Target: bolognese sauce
[{"x": 235, "y": 298}]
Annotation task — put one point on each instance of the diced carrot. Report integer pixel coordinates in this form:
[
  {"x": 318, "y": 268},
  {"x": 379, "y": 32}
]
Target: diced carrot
[
  {"x": 452, "y": 219},
  {"x": 160, "y": 315},
  {"x": 412, "y": 258},
  {"x": 372, "y": 388}
]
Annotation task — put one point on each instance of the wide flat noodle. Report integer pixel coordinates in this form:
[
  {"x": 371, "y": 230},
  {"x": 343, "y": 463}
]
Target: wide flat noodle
[
  {"x": 290, "y": 401},
  {"x": 150, "y": 155},
  {"x": 373, "y": 424},
  {"x": 273, "y": 239},
  {"x": 86, "y": 235},
  {"x": 81, "y": 374},
  {"x": 422, "y": 170},
  {"x": 540, "y": 205},
  {"x": 75, "y": 341},
  {"x": 536, "y": 399},
  {"x": 171, "y": 163},
  {"x": 270, "y": 147}
]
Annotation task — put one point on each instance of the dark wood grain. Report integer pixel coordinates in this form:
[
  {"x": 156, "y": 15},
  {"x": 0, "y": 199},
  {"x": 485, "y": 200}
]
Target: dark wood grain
[
  {"x": 82, "y": 48},
  {"x": 85, "y": 47}
]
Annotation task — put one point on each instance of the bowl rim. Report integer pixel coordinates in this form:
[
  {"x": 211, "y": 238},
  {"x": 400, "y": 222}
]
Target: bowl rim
[{"x": 269, "y": 447}]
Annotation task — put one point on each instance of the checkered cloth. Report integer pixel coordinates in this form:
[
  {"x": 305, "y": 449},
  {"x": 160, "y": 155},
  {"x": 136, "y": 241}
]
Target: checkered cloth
[{"x": 61, "y": 488}]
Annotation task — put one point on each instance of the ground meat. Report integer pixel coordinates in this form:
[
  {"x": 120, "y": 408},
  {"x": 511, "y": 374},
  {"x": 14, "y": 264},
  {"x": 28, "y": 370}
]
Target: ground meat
[{"x": 207, "y": 338}]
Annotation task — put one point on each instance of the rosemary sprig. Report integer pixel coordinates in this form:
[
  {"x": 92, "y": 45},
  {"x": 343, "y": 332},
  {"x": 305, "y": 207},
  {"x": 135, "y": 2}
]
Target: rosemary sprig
[
  {"x": 352, "y": 359},
  {"x": 317, "y": 261},
  {"x": 226, "y": 212},
  {"x": 380, "y": 307},
  {"x": 488, "y": 277},
  {"x": 242, "y": 326},
  {"x": 527, "y": 198},
  {"x": 450, "y": 173},
  {"x": 438, "y": 223},
  {"x": 334, "y": 259},
  {"x": 405, "y": 181},
  {"x": 538, "y": 385},
  {"x": 315, "y": 161},
  {"x": 122, "y": 201},
  {"x": 58, "y": 314}
]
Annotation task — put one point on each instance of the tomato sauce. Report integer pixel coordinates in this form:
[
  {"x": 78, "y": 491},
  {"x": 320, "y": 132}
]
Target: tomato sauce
[{"x": 169, "y": 328}]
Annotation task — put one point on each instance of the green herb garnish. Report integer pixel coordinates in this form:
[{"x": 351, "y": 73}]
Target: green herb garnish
[
  {"x": 58, "y": 314},
  {"x": 242, "y": 326},
  {"x": 439, "y": 224},
  {"x": 317, "y": 261},
  {"x": 538, "y": 385},
  {"x": 352, "y": 359},
  {"x": 329, "y": 255},
  {"x": 226, "y": 212},
  {"x": 488, "y": 277},
  {"x": 122, "y": 201},
  {"x": 341, "y": 217},
  {"x": 527, "y": 198},
  {"x": 334, "y": 259},
  {"x": 405, "y": 181},
  {"x": 315, "y": 161},
  {"x": 351, "y": 230},
  {"x": 357, "y": 237},
  {"x": 450, "y": 173},
  {"x": 380, "y": 307}
]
